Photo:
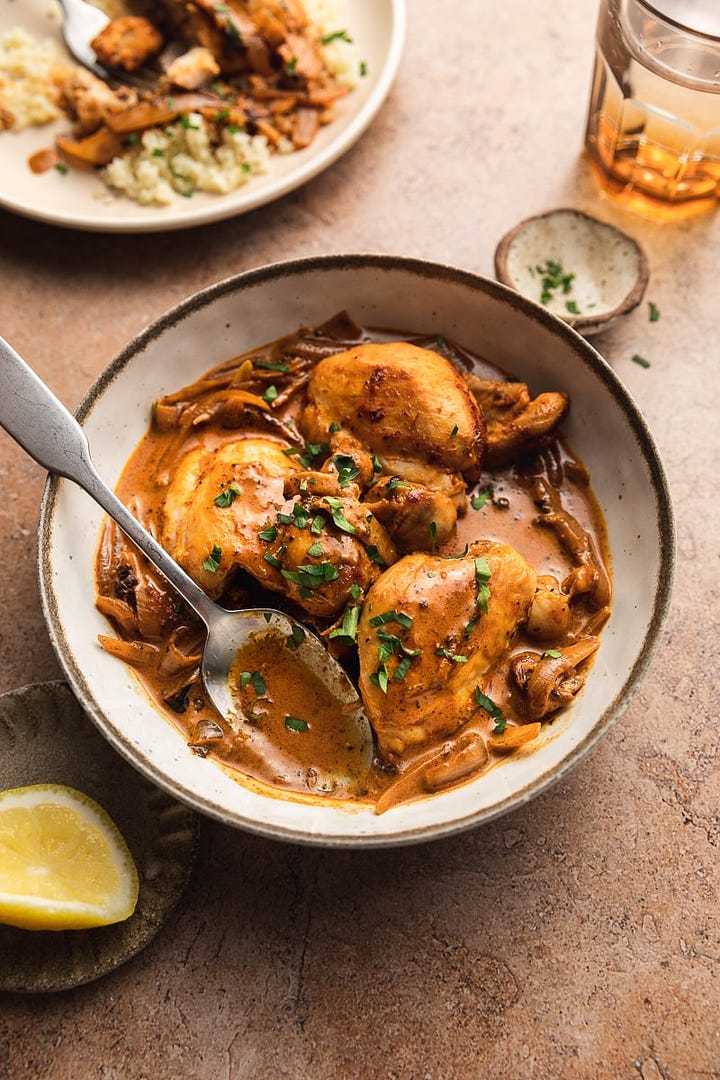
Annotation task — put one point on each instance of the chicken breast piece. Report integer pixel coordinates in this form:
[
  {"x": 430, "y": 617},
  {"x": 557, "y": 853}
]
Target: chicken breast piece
[
  {"x": 216, "y": 504},
  {"x": 408, "y": 406},
  {"x": 426, "y": 641},
  {"x": 127, "y": 42}
]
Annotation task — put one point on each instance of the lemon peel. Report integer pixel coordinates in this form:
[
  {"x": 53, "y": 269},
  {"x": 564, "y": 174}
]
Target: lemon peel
[{"x": 64, "y": 864}]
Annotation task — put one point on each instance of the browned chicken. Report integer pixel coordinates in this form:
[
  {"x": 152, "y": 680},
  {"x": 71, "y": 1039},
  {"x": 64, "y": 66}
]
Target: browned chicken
[
  {"x": 408, "y": 406},
  {"x": 217, "y": 503},
  {"x": 431, "y": 631},
  {"x": 193, "y": 69},
  {"x": 90, "y": 101},
  {"x": 127, "y": 42},
  {"x": 325, "y": 549},
  {"x": 515, "y": 421},
  {"x": 414, "y": 413}
]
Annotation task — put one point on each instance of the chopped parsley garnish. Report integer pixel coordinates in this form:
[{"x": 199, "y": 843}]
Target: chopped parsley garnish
[
  {"x": 392, "y": 645},
  {"x": 432, "y": 528},
  {"x": 460, "y": 554},
  {"x": 187, "y": 123},
  {"x": 653, "y": 311},
  {"x": 157, "y": 152},
  {"x": 300, "y": 515},
  {"x": 339, "y": 519},
  {"x": 268, "y": 365},
  {"x": 333, "y": 428},
  {"x": 396, "y": 482},
  {"x": 220, "y": 115},
  {"x": 272, "y": 560},
  {"x": 212, "y": 562},
  {"x": 553, "y": 277},
  {"x": 307, "y": 454},
  {"x": 312, "y": 575},
  {"x": 317, "y": 525},
  {"x": 355, "y": 592},
  {"x": 270, "y": 394},
  {"x": 291, "y": 65},
  {"x": 255, "y": 679},
  {"x": 554, "y": 654},
  {"x": 478, "y": 501},
  {"x": 380, "y": 678},
  {"x": 376, "y": 464},
  {"x": 482, "y": 578},
  {"x": 297, "y": 636},
  {"x": 316, "y": 549},
  {"x": 402, "y": 669},
  {"x": 374, "y": 555},
  {"x": 641, "y": 361},
  {"x": 455, "y": 657},
  {"x": 572, "y": 307},
  {"x": 62, "y": 168},
  {"x": 337, "y": 35},
  {"x": 454, "y": 431},
  {"x": 268, "y": 534},
  {"x": 348, "y": 628},
  {"x": 294, "y": 723},
  {"x": 392, "y": 616},
  {"x": 347, "y": 469},
  {"x": 492, "y": 710},
  {"x": 363, "y": 68},
  {"x": 227, "y": 495}
]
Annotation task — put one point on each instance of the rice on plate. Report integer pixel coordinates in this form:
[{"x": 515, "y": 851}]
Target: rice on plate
[{"x": 212, "y": 134}]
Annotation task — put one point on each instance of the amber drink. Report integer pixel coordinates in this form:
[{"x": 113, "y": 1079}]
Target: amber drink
[{"x": 653, "y": 128}]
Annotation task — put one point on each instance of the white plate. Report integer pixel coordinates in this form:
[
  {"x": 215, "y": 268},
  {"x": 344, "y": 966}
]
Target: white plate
[
  {"x": 604, "y": 426},
  {"x": 81, "y": 201}
]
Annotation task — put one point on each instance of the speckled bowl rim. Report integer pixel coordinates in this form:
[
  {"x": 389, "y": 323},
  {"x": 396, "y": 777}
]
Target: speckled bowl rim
[
  {"x": 584, "y": 353},
  {"x": 584, "y": 324}
]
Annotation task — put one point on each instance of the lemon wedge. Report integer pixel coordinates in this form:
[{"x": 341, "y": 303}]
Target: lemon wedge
[{"x": 63, "y": 863}]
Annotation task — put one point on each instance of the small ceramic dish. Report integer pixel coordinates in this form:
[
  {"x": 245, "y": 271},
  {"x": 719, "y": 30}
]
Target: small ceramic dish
[
  {"x": 45, "y": 738},
  {"x": 584, "y": 270},
  {"x": 412, "y": 297}
]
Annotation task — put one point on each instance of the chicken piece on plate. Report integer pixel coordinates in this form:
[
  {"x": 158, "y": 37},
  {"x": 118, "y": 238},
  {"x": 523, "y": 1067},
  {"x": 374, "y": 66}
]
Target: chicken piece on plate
[
  {"x": 217, "y": 503},
  {"x": 127, "y": 42},
  {"x": 193, "y": 69},
  {"x": 408, "y": 406},
  {"x": 324, "y": 548},
  {"x": 433, "y": 629},
  {"x": 90, "y": 101},
  {"x": 516, "y": 422}
]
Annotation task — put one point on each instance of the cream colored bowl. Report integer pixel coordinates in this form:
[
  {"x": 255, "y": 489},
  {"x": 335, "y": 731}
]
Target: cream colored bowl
[{"x": 604, "y": 427}]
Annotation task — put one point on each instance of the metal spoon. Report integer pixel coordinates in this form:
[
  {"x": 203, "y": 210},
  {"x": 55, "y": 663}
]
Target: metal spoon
[{"x": 44, "y": 428}]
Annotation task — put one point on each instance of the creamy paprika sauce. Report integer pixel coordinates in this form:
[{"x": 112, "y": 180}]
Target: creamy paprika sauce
[{"x": 529, "y": 498}]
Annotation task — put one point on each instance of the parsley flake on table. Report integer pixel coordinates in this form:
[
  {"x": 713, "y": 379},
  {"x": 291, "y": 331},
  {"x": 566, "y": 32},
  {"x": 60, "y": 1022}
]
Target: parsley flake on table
[{"x": 653, "y": 311}]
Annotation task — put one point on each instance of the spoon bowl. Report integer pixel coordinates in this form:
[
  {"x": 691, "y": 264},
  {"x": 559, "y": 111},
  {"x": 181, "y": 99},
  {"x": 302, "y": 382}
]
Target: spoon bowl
[{"x": 44, "y": 428}]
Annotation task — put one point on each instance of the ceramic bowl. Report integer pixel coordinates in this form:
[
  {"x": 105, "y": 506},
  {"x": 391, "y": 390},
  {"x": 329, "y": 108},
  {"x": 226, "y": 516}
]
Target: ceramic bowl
[
  {"x": 604, "y": 427},
  {"x": 603, "y": 275}
]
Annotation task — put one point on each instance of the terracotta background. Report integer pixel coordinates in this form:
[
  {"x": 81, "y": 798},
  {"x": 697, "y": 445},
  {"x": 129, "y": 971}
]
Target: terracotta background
[{"x": 577, "y": 937}]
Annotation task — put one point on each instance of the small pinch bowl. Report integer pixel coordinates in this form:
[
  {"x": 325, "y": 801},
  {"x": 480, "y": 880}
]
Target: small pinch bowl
[
  {"x": 610, "y": 269},
  {"x": 604, "y": 427}
]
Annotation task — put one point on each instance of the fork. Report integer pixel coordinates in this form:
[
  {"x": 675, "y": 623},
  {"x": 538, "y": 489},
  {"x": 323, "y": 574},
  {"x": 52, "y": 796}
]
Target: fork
[{"x": 81, "y": 24}]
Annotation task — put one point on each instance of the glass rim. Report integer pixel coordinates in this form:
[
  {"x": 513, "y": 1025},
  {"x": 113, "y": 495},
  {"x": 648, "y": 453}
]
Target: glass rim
[{"x": 653, "y": 10}]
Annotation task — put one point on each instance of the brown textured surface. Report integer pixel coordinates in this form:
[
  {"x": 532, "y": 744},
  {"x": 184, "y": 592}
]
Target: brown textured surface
[{"x": 577, "y": 937}]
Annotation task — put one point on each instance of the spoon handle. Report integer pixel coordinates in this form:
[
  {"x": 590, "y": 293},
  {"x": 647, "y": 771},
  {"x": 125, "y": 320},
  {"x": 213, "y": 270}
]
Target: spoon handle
[{"x": 44, "y": 428}]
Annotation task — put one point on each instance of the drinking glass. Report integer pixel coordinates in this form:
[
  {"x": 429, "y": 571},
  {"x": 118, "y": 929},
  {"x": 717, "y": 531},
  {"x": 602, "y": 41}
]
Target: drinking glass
[{"x": 653, "y": 128}]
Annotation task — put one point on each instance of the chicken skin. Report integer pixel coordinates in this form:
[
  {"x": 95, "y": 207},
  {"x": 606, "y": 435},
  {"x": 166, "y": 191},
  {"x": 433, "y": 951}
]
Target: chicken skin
[
  {"x": 324, "y": 548},
  {"x": 407, "y": 406},
  {"x": 217, "y": 503},
  {"x": 433, "y": 629}
]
